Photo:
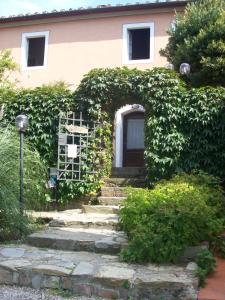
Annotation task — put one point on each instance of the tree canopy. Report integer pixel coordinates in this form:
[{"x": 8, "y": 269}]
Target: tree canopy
[
  {"x": 6, "y": 66},
  {"x": 198, "y": 38}
]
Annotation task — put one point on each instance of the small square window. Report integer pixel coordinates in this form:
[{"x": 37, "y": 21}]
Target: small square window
[
  {"x": 34, "y": 50},
  {"x": 138, "y": 43}
]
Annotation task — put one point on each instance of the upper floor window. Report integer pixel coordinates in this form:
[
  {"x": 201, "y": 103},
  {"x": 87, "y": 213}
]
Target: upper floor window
[
  {"x": 138, "y": 43},
  {"x": 34, "y": 50}
]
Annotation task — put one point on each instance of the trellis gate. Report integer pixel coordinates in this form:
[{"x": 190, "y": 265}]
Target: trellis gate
[{"x": 75, "y": 141}]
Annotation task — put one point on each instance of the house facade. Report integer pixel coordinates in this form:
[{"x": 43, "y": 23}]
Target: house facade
[{"x": 63, "y": 46}]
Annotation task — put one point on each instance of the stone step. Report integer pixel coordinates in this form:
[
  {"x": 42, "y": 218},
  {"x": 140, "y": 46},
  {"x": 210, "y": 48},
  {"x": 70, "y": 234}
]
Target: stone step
[
  {"x": 111, "y": 200},
  {"x": 86, "y": 220},
  {"x": 125, "y": 182},
  {"x": 113, "y": 191},
  {"x": 80, "y": 239},
  {"x": 128, "y": 172},
  {"x": 94, "y": 274},
  {"x": 101, "y": 209},
  {"x": 76, "y": 218},
  {"x": 50, "y": 215}
]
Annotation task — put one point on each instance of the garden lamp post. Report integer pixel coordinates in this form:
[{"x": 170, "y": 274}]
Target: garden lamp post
[{"x": 21, "y": 125}]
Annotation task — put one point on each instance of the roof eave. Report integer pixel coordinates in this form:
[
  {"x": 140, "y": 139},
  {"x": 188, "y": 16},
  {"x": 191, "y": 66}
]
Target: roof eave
[{"x": 80, "y": 12}]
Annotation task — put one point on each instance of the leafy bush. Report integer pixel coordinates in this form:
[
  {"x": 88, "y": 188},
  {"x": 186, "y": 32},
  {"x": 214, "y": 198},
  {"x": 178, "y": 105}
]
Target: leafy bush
[
  {"x": 162, "y": 222},
  {"x": 198, "y": 38},
  {"x": 206, "y": 265},
  {"x": 13, "y": 225}
]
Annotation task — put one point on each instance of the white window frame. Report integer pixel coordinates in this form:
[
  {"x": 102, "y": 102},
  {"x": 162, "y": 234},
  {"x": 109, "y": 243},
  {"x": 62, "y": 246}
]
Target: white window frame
[
  {"x": 24, "y": 48},
  {"x": 126, "y": 27}
]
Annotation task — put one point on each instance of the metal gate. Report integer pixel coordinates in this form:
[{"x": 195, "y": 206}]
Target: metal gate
[{"x": 76, "y": 153}]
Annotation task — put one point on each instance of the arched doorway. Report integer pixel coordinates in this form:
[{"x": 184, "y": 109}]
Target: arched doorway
[{"x": 129, "y": 136}]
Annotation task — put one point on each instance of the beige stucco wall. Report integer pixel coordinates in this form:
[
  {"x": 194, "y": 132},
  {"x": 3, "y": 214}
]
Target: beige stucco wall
[{"x": 77, "y": 46}]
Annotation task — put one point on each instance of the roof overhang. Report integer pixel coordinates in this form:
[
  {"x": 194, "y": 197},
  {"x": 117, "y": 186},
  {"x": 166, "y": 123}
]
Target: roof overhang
[{"x": 92, "y": 13}]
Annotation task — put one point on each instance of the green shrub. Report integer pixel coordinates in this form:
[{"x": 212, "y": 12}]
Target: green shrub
[
  {"x": 162, "y": 222},
  {"x": 206, "y": 265},
  {"x": 13, "y": 225}
]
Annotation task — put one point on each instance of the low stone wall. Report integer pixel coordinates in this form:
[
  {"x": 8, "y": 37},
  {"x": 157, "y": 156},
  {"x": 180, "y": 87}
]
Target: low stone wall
[{"x": 94, "y": 274}]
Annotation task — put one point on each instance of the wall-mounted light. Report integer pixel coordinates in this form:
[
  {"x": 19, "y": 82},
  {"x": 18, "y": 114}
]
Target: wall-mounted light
[
  {"x": 169, "y": 66},
  {"x": 185, "y": 69}
]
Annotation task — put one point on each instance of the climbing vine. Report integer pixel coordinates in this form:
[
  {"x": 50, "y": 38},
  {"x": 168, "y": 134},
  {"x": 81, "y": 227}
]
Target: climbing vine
[
  {"x": 184, "y": 128},
  {"x": 42, "y": 105}
]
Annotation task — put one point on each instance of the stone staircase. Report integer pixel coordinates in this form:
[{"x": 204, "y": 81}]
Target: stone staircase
[
  {"x": 113, "y": 191},
  {"x": 78, "y": 251},
  {"x": 78, "y": 230}
]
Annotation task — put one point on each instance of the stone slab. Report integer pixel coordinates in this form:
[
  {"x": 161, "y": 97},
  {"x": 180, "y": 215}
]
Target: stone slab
[
  {"x": 80, "y": 239},
  {"x": 192, "y": 252},
  {"x": 85, "y": 220},
  {"x": 114, "y": 275},
  {"x": 49, "y": 269},
  {"x": 111, "y": 200},
  {"x": 50, "y": 215},
  {"x": 84, "y": 269},
  {"x": 96, "y": 275},
  {"x": 101, "y": 209},
  {"x": 128, "y": 172},
  {"x": 12, "y": 252},
  {"x": 113, "y": 191},
  {"x": 125, "y": 182}
]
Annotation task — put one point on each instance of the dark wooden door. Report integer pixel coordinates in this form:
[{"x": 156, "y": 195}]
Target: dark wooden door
[{"x": 133, "y": 140}]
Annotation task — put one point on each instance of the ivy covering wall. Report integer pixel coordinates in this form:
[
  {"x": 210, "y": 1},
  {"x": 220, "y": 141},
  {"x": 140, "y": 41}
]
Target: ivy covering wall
[
  {"x": 184, "y": 128},
  {"x": 42, "y": 105}
]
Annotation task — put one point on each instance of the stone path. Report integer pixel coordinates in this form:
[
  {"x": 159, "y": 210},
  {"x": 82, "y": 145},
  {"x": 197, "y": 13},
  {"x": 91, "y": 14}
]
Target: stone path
[
  {"x": 94, "y": 274},
  {"x": 76, "y": 253}
]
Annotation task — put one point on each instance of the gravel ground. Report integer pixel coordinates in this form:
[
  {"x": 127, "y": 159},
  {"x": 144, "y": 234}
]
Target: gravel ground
[{"x": 22, "y": 293}]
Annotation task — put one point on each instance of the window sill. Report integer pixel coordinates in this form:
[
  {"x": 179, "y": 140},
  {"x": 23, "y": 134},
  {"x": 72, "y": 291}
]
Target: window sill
[
  {"x": 24, "y": 68},
  {"x": 137, "y": 61}
]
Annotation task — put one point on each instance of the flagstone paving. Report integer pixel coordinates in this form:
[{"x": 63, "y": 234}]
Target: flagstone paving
[
  {"x": 76, "y": 253},
  {"x": 93, "y": 274}
]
